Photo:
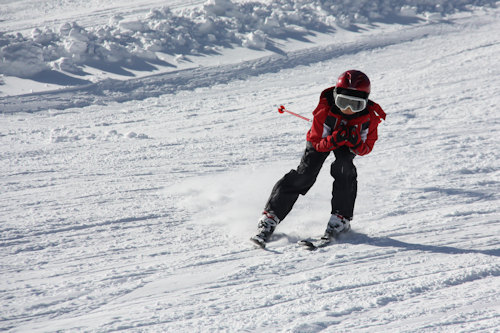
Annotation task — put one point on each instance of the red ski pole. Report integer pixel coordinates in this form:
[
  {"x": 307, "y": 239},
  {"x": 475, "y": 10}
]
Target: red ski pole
[{"x": 282, "y": 109}]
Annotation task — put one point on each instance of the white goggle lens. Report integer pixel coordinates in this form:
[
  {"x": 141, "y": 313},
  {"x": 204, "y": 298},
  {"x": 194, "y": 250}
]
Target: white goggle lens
[{"x": 355, "y": 103}]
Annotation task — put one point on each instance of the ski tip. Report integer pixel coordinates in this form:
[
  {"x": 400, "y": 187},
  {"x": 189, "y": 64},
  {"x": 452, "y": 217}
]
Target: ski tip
[{"x": 308, "y": 245}]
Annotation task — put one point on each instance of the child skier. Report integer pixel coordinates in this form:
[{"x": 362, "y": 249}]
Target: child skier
[{"x": 345, "y": 122}]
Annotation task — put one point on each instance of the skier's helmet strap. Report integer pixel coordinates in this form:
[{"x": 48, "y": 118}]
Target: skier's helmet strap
[{"x": 355, "y": 81}]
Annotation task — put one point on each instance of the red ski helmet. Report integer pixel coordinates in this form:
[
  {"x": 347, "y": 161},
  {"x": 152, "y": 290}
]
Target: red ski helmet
[{"x": 356, "y": 83}]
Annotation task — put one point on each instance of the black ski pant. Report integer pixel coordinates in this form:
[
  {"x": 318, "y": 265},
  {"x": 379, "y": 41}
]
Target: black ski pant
[{"x": 345, "y": 185}]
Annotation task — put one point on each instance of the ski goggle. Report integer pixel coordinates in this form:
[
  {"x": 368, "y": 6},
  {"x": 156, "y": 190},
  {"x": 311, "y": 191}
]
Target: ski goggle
[{"x": 356, "y": 104}]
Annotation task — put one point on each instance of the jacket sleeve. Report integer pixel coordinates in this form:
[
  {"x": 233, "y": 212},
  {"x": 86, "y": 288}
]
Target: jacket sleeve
[
  {"x": 371, "y": 135},
  {"x": 320, "y": 134}
]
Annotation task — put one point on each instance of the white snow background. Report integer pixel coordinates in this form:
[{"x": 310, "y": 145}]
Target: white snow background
[{"x": 140, "y": 141}]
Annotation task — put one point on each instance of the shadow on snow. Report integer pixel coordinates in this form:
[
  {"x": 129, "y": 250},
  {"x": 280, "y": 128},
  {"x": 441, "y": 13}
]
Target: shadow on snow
[{"x": 357, "y": 238}]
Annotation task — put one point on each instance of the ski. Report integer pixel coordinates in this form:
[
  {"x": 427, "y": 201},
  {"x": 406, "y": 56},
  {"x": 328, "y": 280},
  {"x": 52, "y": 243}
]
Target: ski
[
  {"x": 312, "y": 245},
  {"x": 308, "y": 244},
  {"x": 325, "y": 240}
]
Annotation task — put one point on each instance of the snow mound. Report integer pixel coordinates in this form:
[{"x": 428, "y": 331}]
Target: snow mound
[{"x": 200, "y": 30}]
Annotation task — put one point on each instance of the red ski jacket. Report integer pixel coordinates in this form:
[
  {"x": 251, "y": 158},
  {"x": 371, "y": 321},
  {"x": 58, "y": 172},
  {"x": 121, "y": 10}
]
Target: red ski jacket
[{"x": 328, "y": 118}]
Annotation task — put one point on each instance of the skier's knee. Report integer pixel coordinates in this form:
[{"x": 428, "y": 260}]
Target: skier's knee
[
  {"x": 300, "y": 182},
  {"x": 344, "y": 169}
]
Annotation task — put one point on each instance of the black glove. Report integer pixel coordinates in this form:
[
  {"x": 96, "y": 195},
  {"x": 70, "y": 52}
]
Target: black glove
[
  {"x": 353, "y": 138},
  {"x": 339, "y": 137}
]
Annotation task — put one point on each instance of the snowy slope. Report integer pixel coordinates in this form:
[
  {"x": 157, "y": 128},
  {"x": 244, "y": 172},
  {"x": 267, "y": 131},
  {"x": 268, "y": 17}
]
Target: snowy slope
[
  {"x": 127, "y": 204},
  {"x": 49, "y": 45}
]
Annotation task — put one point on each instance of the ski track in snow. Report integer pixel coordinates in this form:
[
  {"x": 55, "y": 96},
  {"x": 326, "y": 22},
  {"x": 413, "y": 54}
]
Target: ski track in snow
[{"x": 135, "y": 216}]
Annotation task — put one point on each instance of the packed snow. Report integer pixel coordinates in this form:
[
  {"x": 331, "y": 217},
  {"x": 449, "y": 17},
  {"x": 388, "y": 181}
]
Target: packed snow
[{"x": 139, "y": 144}]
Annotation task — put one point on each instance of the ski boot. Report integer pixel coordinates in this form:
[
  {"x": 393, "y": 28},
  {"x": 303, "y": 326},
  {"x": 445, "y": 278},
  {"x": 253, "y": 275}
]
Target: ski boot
[
  {"x": 335, "y": 226},
  {"x": 266, "y": 226}
]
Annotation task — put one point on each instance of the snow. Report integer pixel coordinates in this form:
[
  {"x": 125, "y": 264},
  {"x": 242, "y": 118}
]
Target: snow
[
  {"x": 59, "y": 52},
  {"x": 130, "y": 189}
]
